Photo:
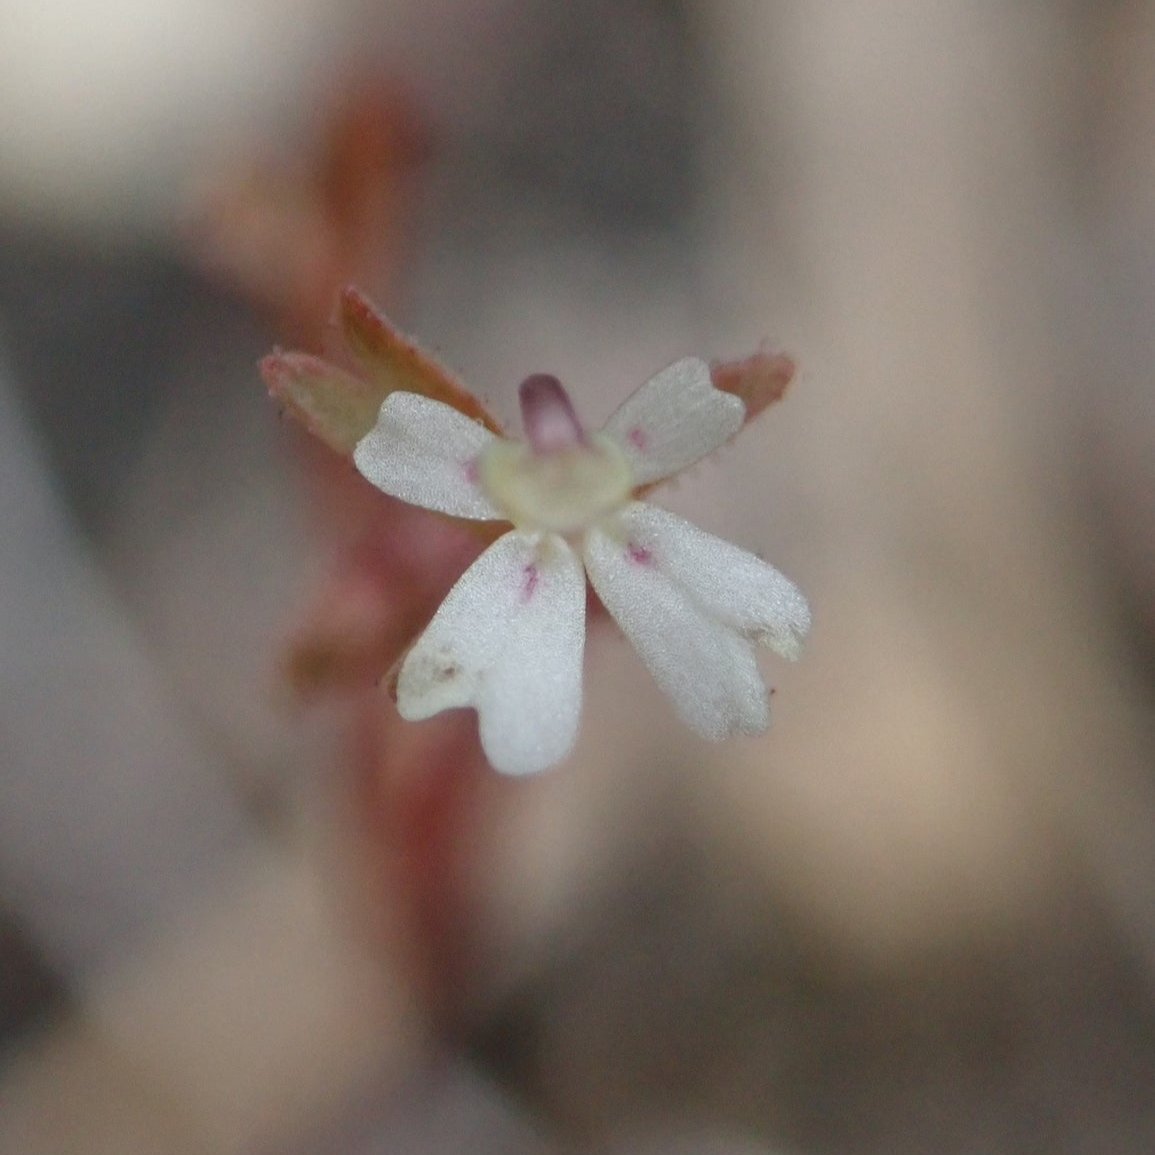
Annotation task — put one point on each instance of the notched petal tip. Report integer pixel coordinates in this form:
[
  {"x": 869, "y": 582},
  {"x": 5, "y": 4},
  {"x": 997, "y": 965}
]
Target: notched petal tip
[
  {"x": 335, "y": 406},
  {"x": 507, "y": 641},
  {"x": 434, "y": 680},
  {"x": 785, "y": 628},
  {"x": 693, "y": 604},
  {"x": 704, "y": 665},
  {"x": 758, "y": 381}
]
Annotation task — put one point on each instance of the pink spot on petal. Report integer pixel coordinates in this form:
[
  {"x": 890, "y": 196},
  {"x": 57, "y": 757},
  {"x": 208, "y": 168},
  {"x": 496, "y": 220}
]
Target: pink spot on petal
[
  {"x": 471, "y": 472},
  {"x": 638, "y": 439},
  {"x": 639, "y": 555},
  {"x": 530, "y": 577}
]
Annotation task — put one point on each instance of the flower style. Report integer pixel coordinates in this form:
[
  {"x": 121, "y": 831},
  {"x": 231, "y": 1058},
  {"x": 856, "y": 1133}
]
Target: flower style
[{"x": 508, "y": 639}]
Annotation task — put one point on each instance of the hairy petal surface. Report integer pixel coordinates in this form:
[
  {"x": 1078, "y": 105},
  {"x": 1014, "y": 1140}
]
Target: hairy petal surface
[
  {"x": 508, "y": 641},
  {"x": 730, "y": 584},
  {"x": 673, "y": 420},
  {"x": 426, "y": 453},
  {"x": 707, "y": 669}
]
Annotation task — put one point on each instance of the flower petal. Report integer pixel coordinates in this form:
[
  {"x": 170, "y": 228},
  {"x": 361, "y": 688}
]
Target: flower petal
[
  {"x": 731, "y": 585},
  {"x": 425, "y": 453},
  {"x": 673, "y": 420},
  {"x": 508, "y": 641},
  {"x": 707, "y": 669}
]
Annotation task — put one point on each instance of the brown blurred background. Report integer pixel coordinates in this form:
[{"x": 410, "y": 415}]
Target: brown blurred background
[{"x": 919, "y": 914}]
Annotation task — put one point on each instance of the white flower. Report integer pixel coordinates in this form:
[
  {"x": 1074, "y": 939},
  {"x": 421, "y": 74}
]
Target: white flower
[{"x": 509, "y": 637}]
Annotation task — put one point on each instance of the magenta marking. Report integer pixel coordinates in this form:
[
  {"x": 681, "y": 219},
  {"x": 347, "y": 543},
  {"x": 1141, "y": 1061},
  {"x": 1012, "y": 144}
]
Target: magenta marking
[
  {"x": 529, "y": 581},
  {"x": 472, "y": 473},
  {"x": 639, "y": 555},
  {"x": 638, "y": 439}
]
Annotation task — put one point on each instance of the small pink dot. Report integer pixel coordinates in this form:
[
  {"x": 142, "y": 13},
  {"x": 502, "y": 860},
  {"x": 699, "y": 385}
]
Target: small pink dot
[
  {"x": 472, "y": 474},
  {"x": 637, "y": 438},
  {"x": 639, "y": 555},
  {"x": 529, "y": 580}
]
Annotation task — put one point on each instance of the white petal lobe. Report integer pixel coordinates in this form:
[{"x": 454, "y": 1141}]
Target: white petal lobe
[
  {"x": 673, "y": 420},
  {"x": 508, "y": 641},
  {"x": 730, "y": 584},
  {"x": 425, "y": 453},
  {"x": 707, "y": 669}
]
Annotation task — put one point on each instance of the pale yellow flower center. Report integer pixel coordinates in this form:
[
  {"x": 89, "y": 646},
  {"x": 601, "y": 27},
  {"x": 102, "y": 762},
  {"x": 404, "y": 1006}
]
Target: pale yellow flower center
[{"x": 563, "y": 491}]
